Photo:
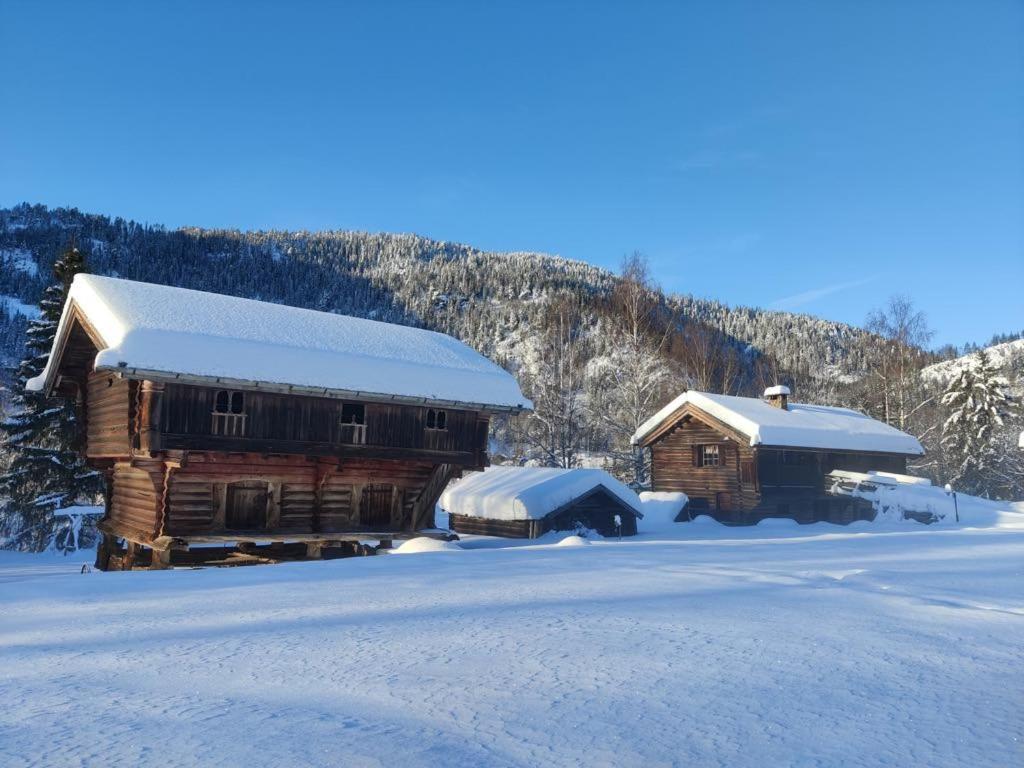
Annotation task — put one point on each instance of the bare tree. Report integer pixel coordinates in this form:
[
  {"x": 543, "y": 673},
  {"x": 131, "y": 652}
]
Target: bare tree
[
  {"x": 895, "y": 354},
  {"x": 556, "y": 430},
  {"x": 628, "y": 384},
  {"x": 710, "y": 363}
]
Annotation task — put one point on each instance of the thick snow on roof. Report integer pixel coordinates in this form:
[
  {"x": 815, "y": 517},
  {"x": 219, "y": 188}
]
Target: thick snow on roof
[
  {"x": 157, "y": 329},
  {"x": 527, "y": 493},
  {"x": 801, "y": 426}
]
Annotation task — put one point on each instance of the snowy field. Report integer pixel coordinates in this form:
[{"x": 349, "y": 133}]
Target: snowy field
[{"x": 893, "y": 644}]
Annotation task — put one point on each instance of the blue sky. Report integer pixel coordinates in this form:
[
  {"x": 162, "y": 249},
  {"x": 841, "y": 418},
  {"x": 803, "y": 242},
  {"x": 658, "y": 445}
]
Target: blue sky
[{"x": 812, "y": 156}]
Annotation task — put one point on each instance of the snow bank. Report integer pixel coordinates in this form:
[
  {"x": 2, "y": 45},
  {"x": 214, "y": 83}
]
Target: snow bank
[
  {"x": 660, "y": 510},
  {"x": 528, "y": 493},
  {"x": 904, "y": 497},
  {"x": 158, "y": 330},
  {"x": 573, "y": 541},
  {"x": 801, "y": 426},
  {"x": 425, "y": 544}
]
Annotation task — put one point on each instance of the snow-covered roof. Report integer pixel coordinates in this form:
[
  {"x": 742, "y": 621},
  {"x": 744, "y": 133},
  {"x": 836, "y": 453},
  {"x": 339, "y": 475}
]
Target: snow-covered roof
[
  {"x": 528, "y": 493},
  {"x": 162, "y": 332},
  {"x": 799, "y": 426}
]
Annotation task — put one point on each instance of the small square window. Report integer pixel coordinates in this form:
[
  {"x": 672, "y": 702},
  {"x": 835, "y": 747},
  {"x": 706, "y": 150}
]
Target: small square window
[{"x": 709, "y": 456}]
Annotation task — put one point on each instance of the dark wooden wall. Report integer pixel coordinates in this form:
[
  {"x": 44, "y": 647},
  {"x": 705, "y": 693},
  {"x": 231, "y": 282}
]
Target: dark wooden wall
[
  {"x": 596, "y": 511},
  {"x": 303, "y": 424}
]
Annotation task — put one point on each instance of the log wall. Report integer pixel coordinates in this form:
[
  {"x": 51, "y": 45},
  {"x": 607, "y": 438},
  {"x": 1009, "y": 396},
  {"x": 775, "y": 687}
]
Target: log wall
[
  {"x": 305, "y": 496},
  {"x": 136, "y": 499},
  {"x": 730, "y": 485},
  {"x": 108, "y": 415}
]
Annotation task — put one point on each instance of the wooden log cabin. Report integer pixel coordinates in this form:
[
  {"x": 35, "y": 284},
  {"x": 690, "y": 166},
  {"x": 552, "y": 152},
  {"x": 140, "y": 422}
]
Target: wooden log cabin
[
  {"x": 220, "y": 419},
  {"x": 742, "y": 459}
]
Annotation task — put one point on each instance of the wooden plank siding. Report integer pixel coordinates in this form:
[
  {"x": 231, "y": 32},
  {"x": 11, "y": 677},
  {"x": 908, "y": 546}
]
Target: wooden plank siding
[{"x": 279, "y": 423}]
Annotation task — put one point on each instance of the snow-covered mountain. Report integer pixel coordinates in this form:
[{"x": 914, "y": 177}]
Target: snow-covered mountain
[{"x": 1008, "y": 357}]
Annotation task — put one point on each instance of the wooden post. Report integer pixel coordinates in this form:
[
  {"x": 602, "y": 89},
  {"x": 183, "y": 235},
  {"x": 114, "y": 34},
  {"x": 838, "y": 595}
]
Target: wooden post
[
  {"x": 314, "y": 550},
  {"x": 151, "y": 416},
  {"x": 161, "y": 560},
  {"x": 106, "y": 548}
]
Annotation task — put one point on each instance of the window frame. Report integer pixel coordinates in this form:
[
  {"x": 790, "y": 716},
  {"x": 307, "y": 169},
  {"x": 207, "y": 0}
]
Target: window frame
[
  {"x": 436, "y": 420},
  {"x": 228, "y": 417},
  {"x": 357, "y": 412},
  {"x": 707, "y": 450}
]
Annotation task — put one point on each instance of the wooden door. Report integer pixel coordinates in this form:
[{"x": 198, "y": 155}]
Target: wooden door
[
  {"x": 723, "y": 502},
  {"x": 247, "y": 506},
  {"x": 375, "y": 506}
]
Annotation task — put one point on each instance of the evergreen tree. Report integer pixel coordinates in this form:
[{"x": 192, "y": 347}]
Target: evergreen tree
[
  {"x": 44, "y": 470},
  {"x": 978, "y": 404}
]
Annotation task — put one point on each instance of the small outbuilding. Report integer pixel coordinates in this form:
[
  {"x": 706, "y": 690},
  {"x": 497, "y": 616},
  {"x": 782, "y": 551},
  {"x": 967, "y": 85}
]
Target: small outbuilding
[{"x": 526, "y": 502}]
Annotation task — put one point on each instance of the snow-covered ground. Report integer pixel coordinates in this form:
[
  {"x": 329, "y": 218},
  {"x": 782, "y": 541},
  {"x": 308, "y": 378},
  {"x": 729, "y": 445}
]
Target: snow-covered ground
[{"x": 890, "y": 644}]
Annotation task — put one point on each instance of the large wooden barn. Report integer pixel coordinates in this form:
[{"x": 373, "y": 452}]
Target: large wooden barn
[
  {"x": 742, "y": 459},
  {"x": 220, "y": 419},
  {"x": 527, "y": 502}
]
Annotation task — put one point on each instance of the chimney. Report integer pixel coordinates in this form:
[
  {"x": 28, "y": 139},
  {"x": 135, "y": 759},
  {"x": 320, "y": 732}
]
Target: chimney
[{"x": 778, "y": 396}]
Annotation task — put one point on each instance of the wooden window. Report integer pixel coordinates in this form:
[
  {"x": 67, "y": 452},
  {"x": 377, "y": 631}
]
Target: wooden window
[
  {"x": 706, "y": 456},
  {"x": 353, "y": 423},
  {"x": 229, "y": 413},
  {"x": 437, "y": 419}
]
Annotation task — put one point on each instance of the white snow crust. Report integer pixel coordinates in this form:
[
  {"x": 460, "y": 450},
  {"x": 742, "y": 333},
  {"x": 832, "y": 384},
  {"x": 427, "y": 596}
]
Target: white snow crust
[
  {"x": 661, "y": 509},
  {"x": 867, "y": 646},
  {"x": 801, "y": 426},
  {"x": 527, "y": 493},
  {"x": 167, "y": 330}
]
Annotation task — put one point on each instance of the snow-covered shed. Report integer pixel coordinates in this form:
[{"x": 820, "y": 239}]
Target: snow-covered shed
[
  {"x": 526, "y": 502},
  {"x": 216, "y": 418},
  {"x": 744, "y": 458}
]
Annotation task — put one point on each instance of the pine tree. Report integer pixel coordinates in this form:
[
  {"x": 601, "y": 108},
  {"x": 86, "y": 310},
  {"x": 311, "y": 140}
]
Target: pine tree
[
  {"x": 978, "y": 404},
  {"x": 45, "y": 470}
]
